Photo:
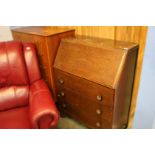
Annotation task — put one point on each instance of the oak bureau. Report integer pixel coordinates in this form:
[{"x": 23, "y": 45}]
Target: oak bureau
[{"x": 94, "y": 80}]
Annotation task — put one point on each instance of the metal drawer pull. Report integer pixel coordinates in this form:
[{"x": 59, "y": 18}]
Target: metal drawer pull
[
  {"x": 64, "y": 105},
  {"x": 62, "y": 93},
  {"x": 98, "y": 124},
  {"x": 98, "y": 111},
  {"x": 61, "y": 81},
  {"x": 99, "y": 97},
  {"x": 58, "y": 95}
]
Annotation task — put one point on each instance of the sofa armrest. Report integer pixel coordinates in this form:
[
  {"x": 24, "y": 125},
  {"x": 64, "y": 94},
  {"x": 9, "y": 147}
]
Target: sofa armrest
[{"x": 43, "y": 112}]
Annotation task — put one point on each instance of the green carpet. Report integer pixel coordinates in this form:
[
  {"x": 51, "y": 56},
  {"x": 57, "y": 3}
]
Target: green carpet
[{"x": 68, "y": 123}]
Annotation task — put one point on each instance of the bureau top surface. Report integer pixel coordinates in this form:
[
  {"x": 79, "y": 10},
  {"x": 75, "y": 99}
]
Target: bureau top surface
[
  {"x": 101, "y": 42},
  {"x": 41, "y": 30},
  {"x": 97, "y": 60}
]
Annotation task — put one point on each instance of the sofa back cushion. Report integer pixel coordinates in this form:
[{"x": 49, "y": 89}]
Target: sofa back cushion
[{"x": 12, "y": 64}]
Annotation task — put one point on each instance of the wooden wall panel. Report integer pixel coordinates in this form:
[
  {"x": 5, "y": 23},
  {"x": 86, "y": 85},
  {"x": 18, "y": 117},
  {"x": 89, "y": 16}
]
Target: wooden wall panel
[
  {"x": 135, "y": 34},
  {"x": 142, "y": 41},
  {"x": 95, "y": 31},
  {"x": 128, "y": 33}
]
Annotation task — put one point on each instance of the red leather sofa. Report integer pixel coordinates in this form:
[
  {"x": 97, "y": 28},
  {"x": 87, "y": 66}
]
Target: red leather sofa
[{"x": 25, "y": 100}]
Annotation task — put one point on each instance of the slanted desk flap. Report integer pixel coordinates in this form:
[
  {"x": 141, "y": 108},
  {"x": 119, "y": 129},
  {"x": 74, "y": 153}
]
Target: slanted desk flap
[{"x": 97, "y": 61}]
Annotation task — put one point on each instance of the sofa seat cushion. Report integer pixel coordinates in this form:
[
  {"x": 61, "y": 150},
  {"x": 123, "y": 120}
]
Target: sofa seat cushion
[
  {"x": 17, "y": 118},
  {"x": 13, "y": 97},
  {"x": 12, "y": 64}
]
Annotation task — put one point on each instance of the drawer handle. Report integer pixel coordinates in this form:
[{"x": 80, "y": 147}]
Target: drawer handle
[
  {"x": 58, "y": 95},
  {"x": 98, "y": 112},
  {"x": 99, "y": 97},
  {"x": 62, "y": 93},
  {"x": 64, "y": 105},
  {"x": 98, "y": 124},
  {"x": 61, "y": 81}
]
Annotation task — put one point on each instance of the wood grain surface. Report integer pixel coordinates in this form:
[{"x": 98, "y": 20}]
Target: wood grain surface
[
  {"x": 47, "y": 42},
  {"x": 92, "y": 66},
  {"x": 135, "y": 34}
]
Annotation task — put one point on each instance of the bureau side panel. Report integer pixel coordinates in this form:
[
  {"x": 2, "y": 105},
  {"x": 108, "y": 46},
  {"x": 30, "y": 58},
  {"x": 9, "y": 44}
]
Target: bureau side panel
[{"x": 123, "y": 91}]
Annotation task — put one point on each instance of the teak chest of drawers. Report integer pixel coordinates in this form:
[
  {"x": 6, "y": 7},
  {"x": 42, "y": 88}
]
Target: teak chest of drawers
[
  {"x": 47, "y": 41},
  {"x": 94, "y": 79}
]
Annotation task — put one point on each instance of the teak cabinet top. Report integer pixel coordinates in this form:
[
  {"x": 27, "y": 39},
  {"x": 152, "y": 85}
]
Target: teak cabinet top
[
  {"x": 41, "y": 30},
  {"x": 97, "y": 60}
]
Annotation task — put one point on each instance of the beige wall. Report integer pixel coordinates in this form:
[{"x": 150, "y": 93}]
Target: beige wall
[{"x": 5, "y": 33}]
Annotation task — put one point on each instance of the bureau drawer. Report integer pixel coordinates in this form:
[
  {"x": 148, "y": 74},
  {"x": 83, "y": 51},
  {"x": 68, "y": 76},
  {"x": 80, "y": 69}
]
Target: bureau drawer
[
  {"x": 89, "y": 89},
  {"x": 93, "y": 114}
]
